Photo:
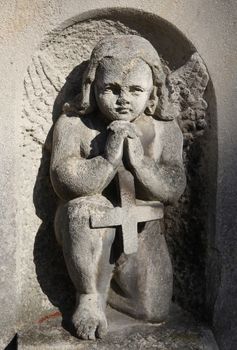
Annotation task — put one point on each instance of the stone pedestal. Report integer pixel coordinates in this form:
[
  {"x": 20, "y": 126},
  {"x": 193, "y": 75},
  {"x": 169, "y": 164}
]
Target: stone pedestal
[{"x": 180, "y": 332}]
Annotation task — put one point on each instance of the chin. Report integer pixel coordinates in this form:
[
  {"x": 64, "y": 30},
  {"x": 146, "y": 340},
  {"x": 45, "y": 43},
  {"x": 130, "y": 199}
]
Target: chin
[{"x": 122, "y": 116}]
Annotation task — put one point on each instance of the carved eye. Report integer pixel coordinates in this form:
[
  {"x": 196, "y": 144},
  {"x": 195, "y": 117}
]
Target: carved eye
[
  {"x": 114, "y": 89},
  {"x": 107, "y": 88},
  {"x": 136, "y": 90}
]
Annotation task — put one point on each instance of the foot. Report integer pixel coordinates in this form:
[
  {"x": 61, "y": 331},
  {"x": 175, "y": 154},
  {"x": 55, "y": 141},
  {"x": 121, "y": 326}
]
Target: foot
[{"x": 89, "y": 318}]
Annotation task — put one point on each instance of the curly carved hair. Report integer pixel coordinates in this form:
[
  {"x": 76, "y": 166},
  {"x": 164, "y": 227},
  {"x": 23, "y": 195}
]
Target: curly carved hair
[{"x": 127, "y": 48}]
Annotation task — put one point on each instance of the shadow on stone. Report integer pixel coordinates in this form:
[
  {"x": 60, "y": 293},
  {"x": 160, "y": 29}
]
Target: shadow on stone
[
  {"x": 185, "y": 226},
  {"x": 13, "y": 344},
  {"x": 179, "y": 332},
  {"x": 51, "y": 270}
]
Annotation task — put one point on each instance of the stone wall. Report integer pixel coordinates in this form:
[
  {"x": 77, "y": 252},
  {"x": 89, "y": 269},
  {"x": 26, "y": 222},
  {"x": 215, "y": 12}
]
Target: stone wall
[{"x": 27, "y": 29}]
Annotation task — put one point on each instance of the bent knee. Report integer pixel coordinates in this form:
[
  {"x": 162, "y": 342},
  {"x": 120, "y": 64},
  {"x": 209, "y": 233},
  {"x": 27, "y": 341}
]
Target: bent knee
[
  {"x": 82, "y": 207},
  {"x": 77, "y": 212},
  {"x": 88, "y": 202}
]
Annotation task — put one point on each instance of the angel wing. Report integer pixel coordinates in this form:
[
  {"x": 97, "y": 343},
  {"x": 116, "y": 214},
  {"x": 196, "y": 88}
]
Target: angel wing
[
  {"x": 42, "y": 85},
  {"x": 189, "y": 83}
]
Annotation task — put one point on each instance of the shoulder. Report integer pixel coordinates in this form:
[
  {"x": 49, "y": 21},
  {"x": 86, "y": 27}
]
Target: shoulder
[
  {"x": 65, "y": 121},
  {"x": 168, "y": 130},
  {"x": 73, "y": 125},
  {"x": 68, "y": 130}
]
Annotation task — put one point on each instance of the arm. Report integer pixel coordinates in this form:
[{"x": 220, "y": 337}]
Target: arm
[
  {"x": 163, "y": 179},
  {"x": 72, "y": 175}
]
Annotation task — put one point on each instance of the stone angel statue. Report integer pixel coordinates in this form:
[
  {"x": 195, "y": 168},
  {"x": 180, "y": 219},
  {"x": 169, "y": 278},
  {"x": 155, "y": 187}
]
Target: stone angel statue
[{"x": 116, "y": 161}]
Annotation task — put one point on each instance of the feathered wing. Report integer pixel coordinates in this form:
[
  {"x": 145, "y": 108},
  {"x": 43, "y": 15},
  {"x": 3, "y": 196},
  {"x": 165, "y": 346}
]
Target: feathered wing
[
  {"x": 186, "y": 222},
  {"x": 42, "y": 85},
  {"x": 189, "y": 83}
]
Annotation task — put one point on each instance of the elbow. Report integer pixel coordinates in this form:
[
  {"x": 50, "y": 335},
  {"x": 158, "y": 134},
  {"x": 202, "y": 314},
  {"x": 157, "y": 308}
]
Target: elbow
[
  {"x": 171, "y": 186},
  {"x": 68, "y": 184},
  {"x": 166, "y": 194},
  {"x": 166, "y": 189},
  {"x": 63, "y": 182},
  {"x": 176, "y": 189}
]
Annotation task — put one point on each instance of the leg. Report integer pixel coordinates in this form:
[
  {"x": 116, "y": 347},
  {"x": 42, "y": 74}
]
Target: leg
[
  {"x": 143, "y": 281},
  {"x": 87, "y": 255}
]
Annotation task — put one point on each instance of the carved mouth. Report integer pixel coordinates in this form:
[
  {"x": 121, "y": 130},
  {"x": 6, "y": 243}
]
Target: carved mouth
[{"x": 123, "y": 110}]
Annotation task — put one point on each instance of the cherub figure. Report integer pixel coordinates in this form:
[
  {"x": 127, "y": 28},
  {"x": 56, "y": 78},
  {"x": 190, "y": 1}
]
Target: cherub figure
[{"x": 125, "y": 116}]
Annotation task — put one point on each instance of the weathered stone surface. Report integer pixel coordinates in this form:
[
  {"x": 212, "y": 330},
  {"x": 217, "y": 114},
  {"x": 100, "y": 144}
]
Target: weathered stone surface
[
  {"x": 211, "y": 27},
  {"x": 122, "y": 125},
  {"x": 129, "y": 214},
  {"x": 43, "y": 196},
  {"x": 180, "y": 332},
  {"x": 52, "y": 65}
]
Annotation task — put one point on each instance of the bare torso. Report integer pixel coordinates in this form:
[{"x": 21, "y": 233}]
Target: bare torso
[{"x": 83, "y": 177}]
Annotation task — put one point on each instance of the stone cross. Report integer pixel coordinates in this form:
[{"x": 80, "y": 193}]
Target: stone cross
[{"x": 128, "y": 215}]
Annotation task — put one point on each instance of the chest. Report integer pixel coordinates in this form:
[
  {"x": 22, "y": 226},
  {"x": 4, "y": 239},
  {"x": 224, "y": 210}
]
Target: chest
[
  {"x": 152, "y": 136},
  {"x": 94, "y": 135}
]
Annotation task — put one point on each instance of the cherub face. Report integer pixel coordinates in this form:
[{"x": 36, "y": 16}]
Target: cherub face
[{"x": 122, "y": 92}]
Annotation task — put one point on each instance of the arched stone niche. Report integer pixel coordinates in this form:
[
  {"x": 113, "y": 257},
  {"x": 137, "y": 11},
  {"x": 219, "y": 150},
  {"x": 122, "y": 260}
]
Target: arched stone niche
[{"x": 189, "y": 228}]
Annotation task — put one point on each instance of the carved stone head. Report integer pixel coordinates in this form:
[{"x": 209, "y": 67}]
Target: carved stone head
[{"x": 125, "y": 78}]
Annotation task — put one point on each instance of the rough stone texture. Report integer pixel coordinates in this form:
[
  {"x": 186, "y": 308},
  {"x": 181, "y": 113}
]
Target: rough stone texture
[
  {"x": 211, "y": 27},
  {"x": 130, "y": 123},
  {"x": 45, "y": 76},
  {"x": 130, "y": 214},
  {"x": 180, "y": 332}
]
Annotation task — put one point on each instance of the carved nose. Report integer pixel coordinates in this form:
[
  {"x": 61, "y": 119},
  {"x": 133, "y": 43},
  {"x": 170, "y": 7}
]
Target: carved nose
[{"x": 122, "y": 100}]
